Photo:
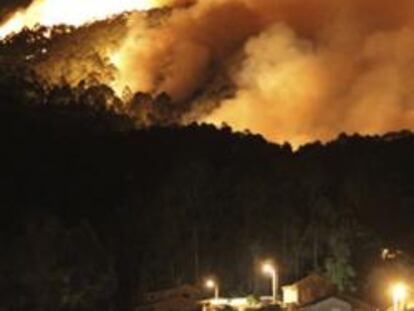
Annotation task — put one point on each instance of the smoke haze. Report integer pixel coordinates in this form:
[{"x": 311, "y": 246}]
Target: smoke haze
[
  {"x": 310, "y": 69},
  {"x": 299, "y": 70},
  {"x": 9, "y": 6}
]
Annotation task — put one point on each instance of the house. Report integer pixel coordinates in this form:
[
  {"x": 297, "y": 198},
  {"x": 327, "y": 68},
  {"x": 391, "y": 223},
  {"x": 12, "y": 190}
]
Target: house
[
  {"x": 338, "y": 303},
  {"x": 181, "y": 298},
  {"x": 224, "y": 303},
  {"x": 316, "y": 293},
  {"x": 307, "y": 290},
  {"x": 328, "y": 304}
]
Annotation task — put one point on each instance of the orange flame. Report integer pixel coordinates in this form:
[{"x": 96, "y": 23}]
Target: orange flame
[{"x": 74, "y": 12}]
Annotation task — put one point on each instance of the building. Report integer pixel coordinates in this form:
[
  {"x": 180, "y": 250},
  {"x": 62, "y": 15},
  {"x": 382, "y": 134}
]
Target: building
[
  {"x": 307, "y": 290},
  {"x": 328, "y": 304},
  {"x": 239, "y": 304},
  {"x": 338, "y": 303},
  {"x": 316, "y": 293}
]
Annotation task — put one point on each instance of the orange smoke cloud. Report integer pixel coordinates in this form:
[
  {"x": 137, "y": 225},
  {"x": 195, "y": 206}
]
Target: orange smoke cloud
[
  {"x": 350, "y": 75},
  {"x": 302, "y": 69},
  {"x": 177, "y": 55},
  {"x": 310, "y": 69}
]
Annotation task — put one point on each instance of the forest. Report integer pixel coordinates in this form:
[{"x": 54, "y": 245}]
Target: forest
[{"x": 97, "y": 211}]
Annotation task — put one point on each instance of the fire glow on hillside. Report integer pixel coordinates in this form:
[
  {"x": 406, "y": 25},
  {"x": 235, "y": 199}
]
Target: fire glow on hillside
[
  {"x": 74, "y": 12},
  {"x": 299, "y": 70}
]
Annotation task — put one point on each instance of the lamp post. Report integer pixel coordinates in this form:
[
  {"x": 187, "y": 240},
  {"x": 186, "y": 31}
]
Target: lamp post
[
  {"x": 269, "y": 269},
  {"x": 399, "y": 295},
  {"x": 213, "y": 285}
]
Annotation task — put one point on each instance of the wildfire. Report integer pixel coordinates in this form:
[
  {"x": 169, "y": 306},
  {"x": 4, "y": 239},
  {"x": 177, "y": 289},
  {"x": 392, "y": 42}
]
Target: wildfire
[
  {"x": 290, "y": 70},
  {"x": 74, "y": 12}
]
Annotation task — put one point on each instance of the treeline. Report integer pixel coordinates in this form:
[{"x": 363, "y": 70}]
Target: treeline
[
  {"x": 66, "y": 59},
  {"x": 95, "y": 213},
  {"x": 93, "y": 104},
  {"x": 65, "y": 53}
]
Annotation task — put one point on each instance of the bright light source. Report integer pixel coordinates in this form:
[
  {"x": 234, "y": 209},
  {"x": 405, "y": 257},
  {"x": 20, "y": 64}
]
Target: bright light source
[
  {"x": 399, "y": 292},
  {"x": 75, "y": 12},
  {"x": 210, "y": 284},
  {"x": 268, "y": 268},
  {"x": 213, "y": 285}
]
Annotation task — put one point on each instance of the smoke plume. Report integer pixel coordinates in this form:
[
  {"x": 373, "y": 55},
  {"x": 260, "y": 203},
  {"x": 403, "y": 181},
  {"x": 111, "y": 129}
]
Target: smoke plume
[{"x": 303, "y": 69}]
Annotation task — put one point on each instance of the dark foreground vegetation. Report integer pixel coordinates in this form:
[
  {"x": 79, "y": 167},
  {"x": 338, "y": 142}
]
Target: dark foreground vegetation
[{"x": 94, "y": 212}]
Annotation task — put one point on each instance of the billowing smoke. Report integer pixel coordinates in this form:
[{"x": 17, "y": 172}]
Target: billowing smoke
[
  {"x": 10, "y": 6},
  {"x": 303, "y": 69},
  {"x": 175, "y": 56},
  {"x": 292, "y": 70}
]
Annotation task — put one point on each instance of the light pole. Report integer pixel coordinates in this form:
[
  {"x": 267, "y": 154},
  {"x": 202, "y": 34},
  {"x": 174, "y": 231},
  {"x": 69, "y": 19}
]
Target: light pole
[
  {"x": 399, "y": 295},
  {"x": 213, "y": 285},
  {"x": 269, "y": 269}
]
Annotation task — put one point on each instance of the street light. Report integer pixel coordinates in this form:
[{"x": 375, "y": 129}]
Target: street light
[
  {"x": 399, "y": 295},
  {"x": 269, "y": 269},
  {"x": 213, "y": 285}
]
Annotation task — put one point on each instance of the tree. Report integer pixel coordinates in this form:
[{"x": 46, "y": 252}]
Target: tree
[{"x": 338, "y": 265}]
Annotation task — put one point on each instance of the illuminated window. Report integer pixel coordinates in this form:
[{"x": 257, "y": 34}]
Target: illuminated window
[{"x": 290, "y": 294}]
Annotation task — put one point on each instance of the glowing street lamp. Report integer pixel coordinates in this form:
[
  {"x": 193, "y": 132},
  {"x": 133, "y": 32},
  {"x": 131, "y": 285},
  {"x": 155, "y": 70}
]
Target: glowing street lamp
[
  {"x": 399, "y": 296},
  {"x": 269, "y": 269},
  {"x": 213, "y": 285}
]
